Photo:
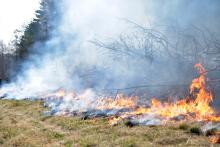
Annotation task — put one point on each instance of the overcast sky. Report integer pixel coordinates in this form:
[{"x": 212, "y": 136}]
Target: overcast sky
[{"x": 14, "y": 14}]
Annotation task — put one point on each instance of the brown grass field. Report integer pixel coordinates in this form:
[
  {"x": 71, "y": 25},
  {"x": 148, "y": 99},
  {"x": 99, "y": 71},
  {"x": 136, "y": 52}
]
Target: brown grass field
[{"x": 22, "y": 124}]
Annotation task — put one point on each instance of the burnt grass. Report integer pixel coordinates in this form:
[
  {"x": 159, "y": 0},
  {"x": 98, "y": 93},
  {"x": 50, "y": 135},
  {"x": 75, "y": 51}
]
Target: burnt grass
[{"x": 22, "y": 123}]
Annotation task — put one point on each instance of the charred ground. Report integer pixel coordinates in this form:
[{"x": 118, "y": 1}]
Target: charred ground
[{"x": 23, "y": 124}]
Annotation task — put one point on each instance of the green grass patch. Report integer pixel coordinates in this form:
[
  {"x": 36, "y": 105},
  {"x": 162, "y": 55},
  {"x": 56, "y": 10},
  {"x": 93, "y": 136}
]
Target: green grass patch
[{"x": 184, "y": 126}]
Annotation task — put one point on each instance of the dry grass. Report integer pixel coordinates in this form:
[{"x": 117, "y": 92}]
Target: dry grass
[{"x": 22, "y": 124}]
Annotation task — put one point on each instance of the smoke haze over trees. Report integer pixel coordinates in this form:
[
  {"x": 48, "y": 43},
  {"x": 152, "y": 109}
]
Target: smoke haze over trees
[
  {"x": 38, "y": 30},
  {"x": 102, "y": 45}
]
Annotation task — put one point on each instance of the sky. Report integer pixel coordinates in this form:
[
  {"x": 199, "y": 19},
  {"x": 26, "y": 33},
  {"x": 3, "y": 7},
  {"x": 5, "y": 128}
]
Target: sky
[{"x": 14, "y": 14}]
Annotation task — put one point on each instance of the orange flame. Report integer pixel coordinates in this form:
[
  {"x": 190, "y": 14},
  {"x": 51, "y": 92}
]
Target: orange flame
[
  {"x": 195, "y": 107},
  {"x": 215, "y": 139},
  {"x": 119, "y": 102},
  {"x": 198, "y": 108}
]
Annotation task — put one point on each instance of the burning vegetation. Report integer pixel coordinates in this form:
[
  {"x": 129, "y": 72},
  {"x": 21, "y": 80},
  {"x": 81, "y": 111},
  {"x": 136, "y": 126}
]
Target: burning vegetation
[
  {"x": 59, "y": 62},
  {"x": 112, "y": 111},
  {"x": 196, "y": 107}
]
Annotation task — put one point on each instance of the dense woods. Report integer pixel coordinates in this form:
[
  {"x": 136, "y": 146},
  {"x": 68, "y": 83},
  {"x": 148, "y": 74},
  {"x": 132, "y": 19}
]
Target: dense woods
[{"x": 36, "y": 32}]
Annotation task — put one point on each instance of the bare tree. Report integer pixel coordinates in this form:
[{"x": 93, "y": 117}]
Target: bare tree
[
  {"x": 7, "y": 59},
  {"x": 170, "y": 51},
  {"x": 190, "y": 44},
  {"x": 2, "y": 60}
]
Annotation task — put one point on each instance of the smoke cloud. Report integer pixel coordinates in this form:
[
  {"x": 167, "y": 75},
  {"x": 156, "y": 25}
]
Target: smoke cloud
[{"x": 72, "y": 62}]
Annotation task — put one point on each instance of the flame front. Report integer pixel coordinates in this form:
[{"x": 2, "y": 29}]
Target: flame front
[
  {"x": 119, "y": 102},
  {"x": 195, "y": 107}
]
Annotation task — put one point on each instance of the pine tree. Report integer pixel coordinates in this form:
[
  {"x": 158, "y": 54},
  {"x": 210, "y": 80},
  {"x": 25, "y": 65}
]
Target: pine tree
[{"x": 38, "y": 30}]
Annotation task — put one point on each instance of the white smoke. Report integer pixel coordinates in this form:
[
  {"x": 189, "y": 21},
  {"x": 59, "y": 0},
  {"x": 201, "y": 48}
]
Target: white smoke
[
  {"x": 81, "y": 21},
  {"x": 71, "y": 62},
  {"x": 85, "y": 20}
]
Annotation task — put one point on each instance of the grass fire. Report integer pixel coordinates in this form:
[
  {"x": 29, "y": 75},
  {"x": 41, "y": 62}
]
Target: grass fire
[
  {"x": 109, "y": 73},
  {"x": 194, "y": 108}
]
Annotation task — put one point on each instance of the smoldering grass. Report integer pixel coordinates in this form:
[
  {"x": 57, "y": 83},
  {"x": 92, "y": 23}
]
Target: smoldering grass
[
  {"x": 30, "y": 130},
  {"x": 196, "y": 130},
  {"x": 130, "y": 124},
  {"x": 211, "y": 132}
]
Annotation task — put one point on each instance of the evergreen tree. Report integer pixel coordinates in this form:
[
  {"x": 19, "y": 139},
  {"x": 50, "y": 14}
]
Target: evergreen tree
[{"x": 38, "y": 30}]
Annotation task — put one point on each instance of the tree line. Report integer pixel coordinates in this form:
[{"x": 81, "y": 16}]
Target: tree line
[{"x": 38, "y": 30}]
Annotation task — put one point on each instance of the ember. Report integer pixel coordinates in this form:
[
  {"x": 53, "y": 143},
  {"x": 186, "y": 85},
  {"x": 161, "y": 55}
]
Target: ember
[{"x": 215, "y": 139}]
